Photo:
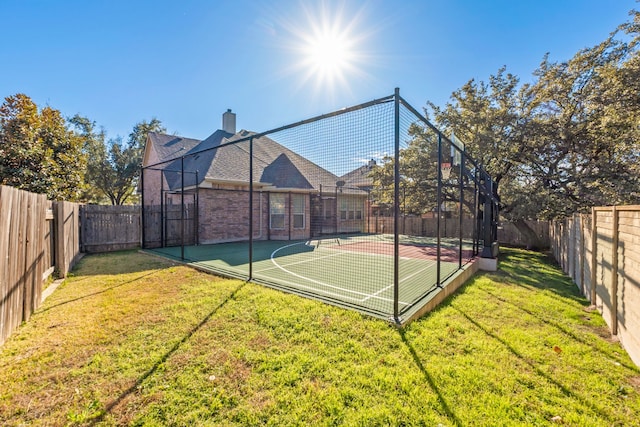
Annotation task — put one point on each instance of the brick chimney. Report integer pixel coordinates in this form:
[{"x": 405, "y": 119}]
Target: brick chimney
[{"x": 229, "y": 122}]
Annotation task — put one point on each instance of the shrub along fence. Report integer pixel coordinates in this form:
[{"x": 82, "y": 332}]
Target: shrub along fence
[
  {"x": 601, "y": 253},
  {"x": 36, "y": 237}
]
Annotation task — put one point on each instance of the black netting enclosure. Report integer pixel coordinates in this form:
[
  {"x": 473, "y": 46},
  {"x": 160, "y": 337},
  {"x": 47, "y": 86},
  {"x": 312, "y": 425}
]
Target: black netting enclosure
[{"x": 370, "y": 207}]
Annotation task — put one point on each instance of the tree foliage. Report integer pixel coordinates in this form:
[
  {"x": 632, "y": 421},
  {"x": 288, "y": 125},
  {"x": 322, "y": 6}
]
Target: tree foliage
[
  {"x": 114, "y": 165},
  {"x": 563, "y": 143},
  {"x": 417, "y": 177},
  {"x": 71, "y": 160},
  {"x": 38, "y": 152}
]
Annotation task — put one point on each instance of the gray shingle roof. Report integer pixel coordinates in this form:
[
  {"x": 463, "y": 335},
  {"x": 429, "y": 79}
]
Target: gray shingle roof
[
  {"x": 171, "y": 146},
  {"x": 358, "y": 177},
  {"x": 218, "y": 159}
]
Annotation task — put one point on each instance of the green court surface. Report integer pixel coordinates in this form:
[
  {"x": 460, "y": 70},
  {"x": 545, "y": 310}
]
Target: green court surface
[{"x": 356, "y": 271}]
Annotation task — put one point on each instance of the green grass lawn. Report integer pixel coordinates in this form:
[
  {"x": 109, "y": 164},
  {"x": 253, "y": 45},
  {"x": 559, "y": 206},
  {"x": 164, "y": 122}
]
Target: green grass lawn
[{"x": 131, "y": 339}]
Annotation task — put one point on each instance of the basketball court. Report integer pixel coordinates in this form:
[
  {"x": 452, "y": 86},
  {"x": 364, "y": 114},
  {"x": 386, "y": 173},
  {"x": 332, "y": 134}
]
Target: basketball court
[{"x": 352, "y": 271}]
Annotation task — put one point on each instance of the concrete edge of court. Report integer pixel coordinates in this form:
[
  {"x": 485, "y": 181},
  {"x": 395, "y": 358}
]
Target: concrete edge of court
[{"x": 449, "y": 287}]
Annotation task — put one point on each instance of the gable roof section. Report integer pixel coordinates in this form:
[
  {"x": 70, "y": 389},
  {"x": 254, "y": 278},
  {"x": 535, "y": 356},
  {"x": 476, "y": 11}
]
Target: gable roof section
[
  {"x": 198, "y": 157},
  {"x": 219, "y": 159},
  {"x": 358, "y": 177},
  {"x": 283, "y": 173},
  {"x": 169, "y": 147},
  {"x": 265, "y": 152}
]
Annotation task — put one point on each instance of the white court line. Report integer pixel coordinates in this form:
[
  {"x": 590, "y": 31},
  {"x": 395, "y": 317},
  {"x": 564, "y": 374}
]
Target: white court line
[
  {"x": 321, "y": 283},
  {"x": 300, "y": 262},
  {"x": 386, "y": 256},
  {"x": 404, "y": 278},
  {"x": 340, "y": 296}
]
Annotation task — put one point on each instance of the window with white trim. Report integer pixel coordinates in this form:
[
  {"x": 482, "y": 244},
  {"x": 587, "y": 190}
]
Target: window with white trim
[
  {"x": 351, "y": 208},
  {"x": 277, "y": 206},
  {"x": 298, "y": 201}
]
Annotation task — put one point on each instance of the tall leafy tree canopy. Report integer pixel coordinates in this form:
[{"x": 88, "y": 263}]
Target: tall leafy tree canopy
[
  {"x": 563, "y": 143},
  {"x": 70, "y": 159},
  {"x": 38, "y": 152},
  {"x": 113, "y": 167}
]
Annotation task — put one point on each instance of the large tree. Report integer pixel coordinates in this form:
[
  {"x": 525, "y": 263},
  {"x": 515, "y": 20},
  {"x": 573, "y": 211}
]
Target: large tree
[
  {"x": 418, "y": 171},
  {"x": 38, "y": 152},
  {"x": 565, "y": 142},
  {"x": 576, "y": 153},
  {"x": 114, "y": 165}
]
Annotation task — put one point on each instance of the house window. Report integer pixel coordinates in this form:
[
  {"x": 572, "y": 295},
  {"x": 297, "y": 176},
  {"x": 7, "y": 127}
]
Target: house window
[
  {"x": 277, "y": 211},
  {"x": 351, "y": 208},
  {"x": 329, "y": 210},
  {"x": 298, "y": 210}
]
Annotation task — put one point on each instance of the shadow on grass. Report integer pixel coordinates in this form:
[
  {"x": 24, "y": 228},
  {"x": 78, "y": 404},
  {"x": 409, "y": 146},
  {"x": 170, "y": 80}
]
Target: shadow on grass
[
  {"x": 98, "y": 292},
  {"x": 568, "y": 393},
  {"x": 443, "y": 403},
  {"x": 562, "y": 329},
  {"x": 119, "y": 262},
  {"x": 536, "y": 270},
  {"x": 164, "y": 357}
]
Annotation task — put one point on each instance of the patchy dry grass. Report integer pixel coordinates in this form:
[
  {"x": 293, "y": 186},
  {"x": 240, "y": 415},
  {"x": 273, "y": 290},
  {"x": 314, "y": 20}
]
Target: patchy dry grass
[{"x": 134, "y": 340}]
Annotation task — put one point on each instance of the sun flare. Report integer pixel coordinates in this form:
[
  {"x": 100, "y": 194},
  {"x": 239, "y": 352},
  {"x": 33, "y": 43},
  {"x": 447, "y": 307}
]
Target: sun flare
[
  {"x": 328, "y": 41},
  {"x": 328, "y": 54}
]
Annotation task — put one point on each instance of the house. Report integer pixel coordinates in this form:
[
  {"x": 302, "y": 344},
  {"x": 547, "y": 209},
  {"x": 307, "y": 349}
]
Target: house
[
  {"x": 293, "y": 198},
  {"x": 361, "y": 178}
]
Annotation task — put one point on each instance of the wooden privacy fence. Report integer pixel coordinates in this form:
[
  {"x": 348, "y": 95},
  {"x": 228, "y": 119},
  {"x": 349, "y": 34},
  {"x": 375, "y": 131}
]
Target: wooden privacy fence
[
  {"x": 508, "y": 233},
  {"x": 109, "y": 228},
  {"x": 417, "y": 226},
  {"x": 36, "y": 236},
  {"x": 169, "y": 225},
  {"x": 601, "y": 253}
]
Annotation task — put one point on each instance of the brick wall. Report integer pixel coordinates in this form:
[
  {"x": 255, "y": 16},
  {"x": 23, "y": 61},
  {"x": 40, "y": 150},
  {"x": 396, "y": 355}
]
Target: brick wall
[{"x": 224, "y": 217}]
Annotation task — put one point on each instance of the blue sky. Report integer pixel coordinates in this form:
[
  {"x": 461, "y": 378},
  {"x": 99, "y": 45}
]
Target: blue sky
[{"x": 185, "y": 62}]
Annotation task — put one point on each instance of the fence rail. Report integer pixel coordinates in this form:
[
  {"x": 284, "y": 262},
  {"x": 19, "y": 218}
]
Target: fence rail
[
  {"x": 600, "y": 253},
  {"x": 109, "y": 228},
  {"x": 36, "y": 236}
]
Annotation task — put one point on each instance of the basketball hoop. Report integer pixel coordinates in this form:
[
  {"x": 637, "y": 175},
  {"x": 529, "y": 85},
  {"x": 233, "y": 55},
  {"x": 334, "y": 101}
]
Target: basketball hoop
[{"x": 445, "y": 170}]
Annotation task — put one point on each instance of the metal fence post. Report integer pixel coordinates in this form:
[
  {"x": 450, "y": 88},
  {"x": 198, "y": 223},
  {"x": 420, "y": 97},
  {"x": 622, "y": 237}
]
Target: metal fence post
[
  {"x": 182, "y": 208},
  {"x": 461, "y": 210},
  {"x": 142, "y": 235},
  {"x": 439, "y": 208},
  {"x": 251, "y": 209},
  {"x": 396, "y": 205},
  {"x": 196, "y": 214}
]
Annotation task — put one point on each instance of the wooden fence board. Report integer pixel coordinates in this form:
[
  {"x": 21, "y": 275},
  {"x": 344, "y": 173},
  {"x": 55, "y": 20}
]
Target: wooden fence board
[
  {"x": 67, "y": 249},
  {"x": 26, "y": 253},
  {"x": 610, "y": 266},
  {"x": 16, "y": 260},
  {"x": 159, "y": 232},
  {"x": 109, "y": 228},
  {"x": 6, "y": 204}
]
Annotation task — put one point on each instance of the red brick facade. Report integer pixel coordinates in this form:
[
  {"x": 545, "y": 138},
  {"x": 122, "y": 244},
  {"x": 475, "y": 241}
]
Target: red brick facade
[{"x": 224, "y": 217}]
